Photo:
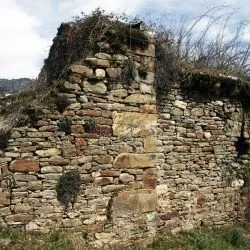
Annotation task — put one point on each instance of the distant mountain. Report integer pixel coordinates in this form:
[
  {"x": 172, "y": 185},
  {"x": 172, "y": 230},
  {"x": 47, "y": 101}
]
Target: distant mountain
[{"x": 14, "y": 85}]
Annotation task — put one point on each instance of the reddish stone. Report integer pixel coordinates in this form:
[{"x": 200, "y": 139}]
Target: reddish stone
[
  {"x": 150, "y": 178},
  {"x": 170, "y": 215},
  {"x": 90, "y": 135},
  {"x": 199, "y": 135},
  {"x": 110, "y": 173},
  {"x": 103, "y": 130},
  {"x": 80, "y": 142},
  {"x": 77, "y": 129},
  {"x": 201, "y": 200},
  {"x": 70, "y": 152},
  {"x": 18, "y": 218},
  {"x": 106, "y": 114},
  {"x": 89, "y": 112},
  {"x": 97, "y": 227},
  {"x": 149, "y": 109},
  {"x": 24, "y": 166},
  {"x": 244, "y": 201},
  {"x": 211, "y": 126},
  {"x": 3, "y": 198}
]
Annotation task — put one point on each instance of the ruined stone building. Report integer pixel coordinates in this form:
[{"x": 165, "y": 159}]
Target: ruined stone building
[{"x": 139, "y": 158}]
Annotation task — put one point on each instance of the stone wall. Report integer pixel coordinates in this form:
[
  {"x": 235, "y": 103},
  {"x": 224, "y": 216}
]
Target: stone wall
[
  {"x": 149, "y": 163},
  {"x": 116, "y": 160},
  {"x": 197, "y": 180}
]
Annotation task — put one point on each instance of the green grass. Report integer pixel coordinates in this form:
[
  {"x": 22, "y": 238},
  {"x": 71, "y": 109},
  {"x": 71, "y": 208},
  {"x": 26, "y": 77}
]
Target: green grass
[
  {"x": 11, "y": 239},
  {"x": 203, "y": 239},
  {"x": 217, "y": 239}
]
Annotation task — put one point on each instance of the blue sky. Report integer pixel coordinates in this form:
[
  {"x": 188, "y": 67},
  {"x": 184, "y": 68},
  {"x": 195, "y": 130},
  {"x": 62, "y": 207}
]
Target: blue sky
[{"x": 27, "y": 27}]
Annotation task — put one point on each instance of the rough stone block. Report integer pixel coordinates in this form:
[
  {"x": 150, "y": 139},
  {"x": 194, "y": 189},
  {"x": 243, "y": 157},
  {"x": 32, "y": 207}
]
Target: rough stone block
[
  {"x": 81, "y": 69},
  {"x": 134, "y": 202},
  {"x": 197, "y": 112},
  {"x": 129, "y": 160},
  {"x": 150, "y": 178},
  {"x": 100, "y": 73},
  {"x": 24, "y": 166},
  {"x": 150, "y": 144},
  {"x": 18, "y": 218},
  {"x": 97, "y": 88},
  {"x": 129, "y": 124},
  {"x": 48, "y": 152},
  {"x": 180, "y": 104},
  {"x": 140, "y": 98},
  {"x": 114, "y": 72},
  {"x": 126, "y": 178}
]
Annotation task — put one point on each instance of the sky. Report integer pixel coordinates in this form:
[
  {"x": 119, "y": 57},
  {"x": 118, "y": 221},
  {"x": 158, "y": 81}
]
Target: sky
[{"x": 27, "y": 27}]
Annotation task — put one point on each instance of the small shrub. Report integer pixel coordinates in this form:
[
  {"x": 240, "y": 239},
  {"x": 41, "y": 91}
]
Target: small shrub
[
  {"x": 4, "y": 139},
  {"x": 62, "y": 103},
  {"x": 128, "y": 71},
  {"x": 142, "y": 72},
  {"x": 89, "y": 125},
  {"x": 68, "y": 187},
  {"x": 64, "y": 124},
  {"x": 33, "y": 114},
  {"x": 235, "y": 237}
]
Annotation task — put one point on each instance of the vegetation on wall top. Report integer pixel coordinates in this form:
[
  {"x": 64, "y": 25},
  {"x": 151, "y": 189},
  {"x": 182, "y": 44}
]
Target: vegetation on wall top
[{"x": 195, "y": 54}]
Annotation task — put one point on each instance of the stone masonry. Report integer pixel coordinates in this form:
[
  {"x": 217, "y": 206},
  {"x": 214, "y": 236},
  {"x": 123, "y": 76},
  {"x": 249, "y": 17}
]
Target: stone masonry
[{"x": 151, "y": 162}]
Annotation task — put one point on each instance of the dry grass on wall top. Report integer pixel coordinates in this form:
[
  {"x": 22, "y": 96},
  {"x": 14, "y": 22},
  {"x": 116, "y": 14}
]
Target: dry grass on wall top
[
  {"x": 82, "y": 37},
  {"x": 185, "y": 53}
]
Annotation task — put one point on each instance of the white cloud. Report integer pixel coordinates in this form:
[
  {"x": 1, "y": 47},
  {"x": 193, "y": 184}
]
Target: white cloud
[
  {"x": 27, "y": 26},
  {"x": 21, "y": 46}
]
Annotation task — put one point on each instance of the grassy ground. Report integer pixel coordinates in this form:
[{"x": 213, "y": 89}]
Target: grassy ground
[{"x": 217, "y": 239}]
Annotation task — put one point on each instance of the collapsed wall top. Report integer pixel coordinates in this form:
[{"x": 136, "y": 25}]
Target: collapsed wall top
[{"x": 90, "y": 34}]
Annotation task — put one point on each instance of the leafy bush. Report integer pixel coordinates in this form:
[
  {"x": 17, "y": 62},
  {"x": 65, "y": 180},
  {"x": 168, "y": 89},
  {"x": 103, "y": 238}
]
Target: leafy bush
[
  {"x": 235, "y": 237},
  {"x": 68, "y": 187},
  {"x": 62, "y": 102},
  {"x": 89, "y": 125},
  {"x": 4, "y": 139},
  {"x": 64, "y": 124},
  {"x": 142, "y": 72}
]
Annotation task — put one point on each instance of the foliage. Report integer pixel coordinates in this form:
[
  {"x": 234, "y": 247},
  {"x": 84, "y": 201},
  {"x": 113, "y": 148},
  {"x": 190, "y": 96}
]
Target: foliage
[
  {"x": 17, "y": 239},
  {"x": 217, "y": 239},
  {"x": 68, "y": 187},
  {"x": 187, "y": 50},
  {"x": 64, "y": 124},
  {"x": 4, "y": 139},
  {"x": 76, "y": 40},
  {"x": 62, "y": 102},
  {"x": 89, "y": 125},
  {"x": 142, "y": 72}
]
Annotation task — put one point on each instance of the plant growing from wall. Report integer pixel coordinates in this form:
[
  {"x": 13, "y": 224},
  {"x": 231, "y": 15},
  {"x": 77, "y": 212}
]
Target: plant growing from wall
[
  {"x": 68, "y": 187},
  {"x": 64, "y": 124},
  {"x": 62, "y": 102},
  {"x": 89, "y": 125},
  {"x": 4, "y": 139},
  {"x": 142, "y": 72},
  {"x": 128, "y": 71}
]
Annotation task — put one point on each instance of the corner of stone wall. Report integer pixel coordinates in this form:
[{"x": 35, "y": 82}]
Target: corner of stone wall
[{"x": 116, "y": 156}]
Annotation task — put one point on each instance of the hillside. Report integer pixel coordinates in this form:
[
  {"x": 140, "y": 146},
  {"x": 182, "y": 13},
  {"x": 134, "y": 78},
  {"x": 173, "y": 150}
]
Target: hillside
[{"x": 14, "y": 85}]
